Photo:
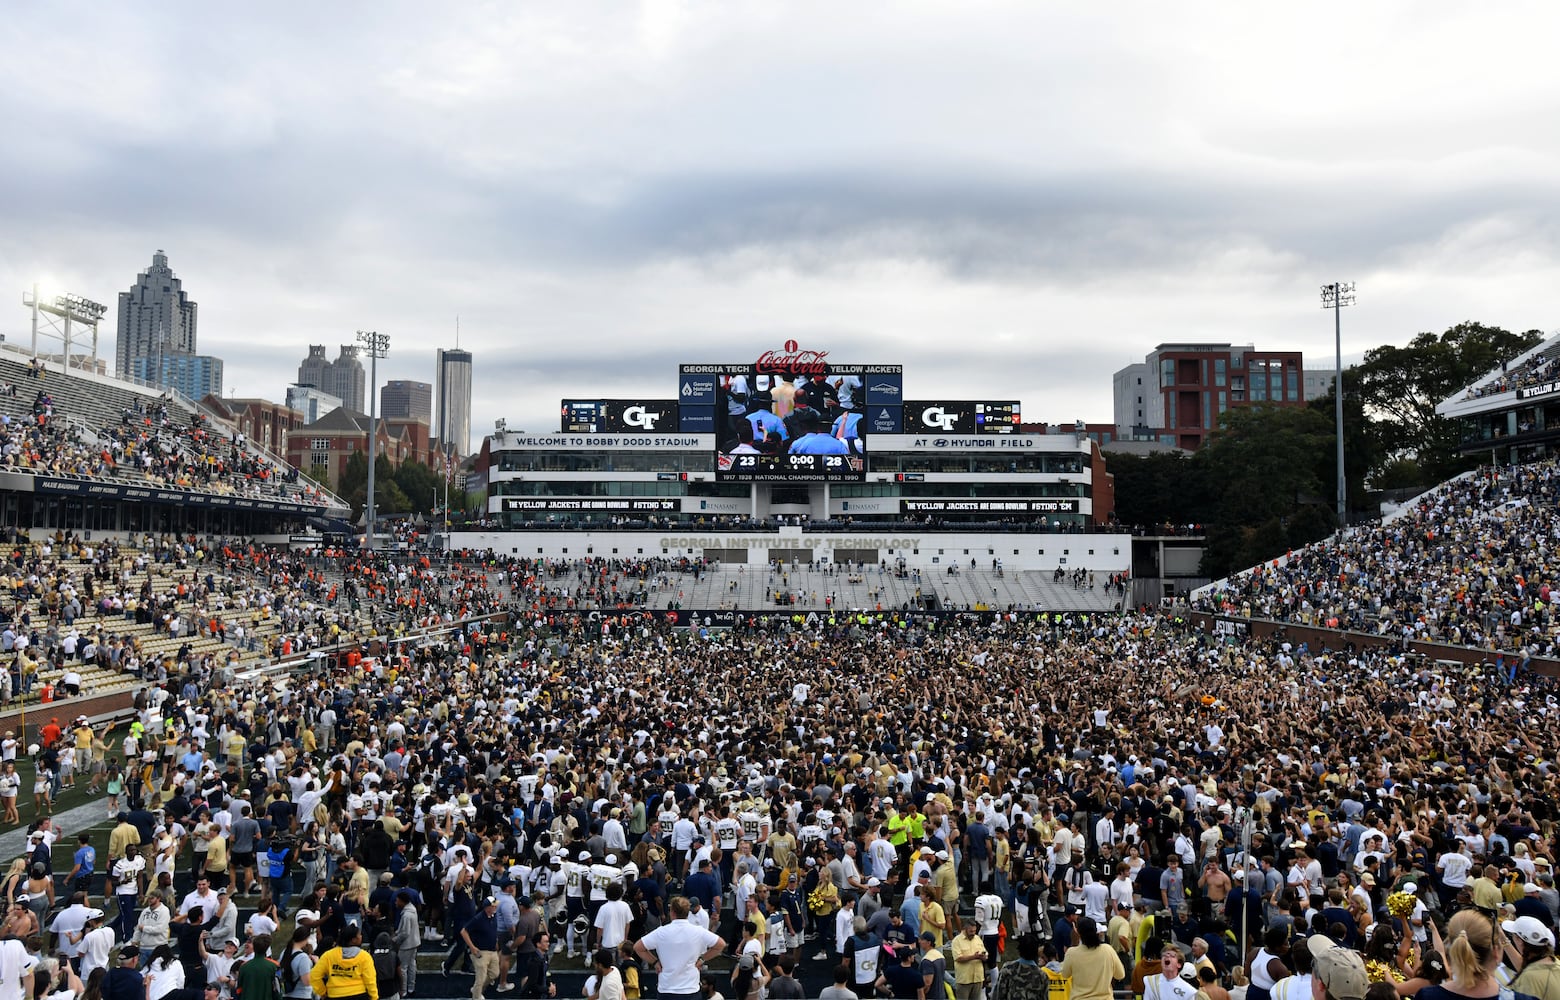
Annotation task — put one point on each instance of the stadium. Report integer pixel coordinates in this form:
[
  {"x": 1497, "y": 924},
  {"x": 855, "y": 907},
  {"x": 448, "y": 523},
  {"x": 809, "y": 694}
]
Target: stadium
[
  {"x": 553, "y": 716},
  {"x": 928, "y": 503}
]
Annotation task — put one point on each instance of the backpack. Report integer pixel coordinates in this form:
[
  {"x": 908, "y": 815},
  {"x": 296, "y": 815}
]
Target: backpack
[
  {"x": 387, "y": 968},
  {"x": 288, "y": 974}
]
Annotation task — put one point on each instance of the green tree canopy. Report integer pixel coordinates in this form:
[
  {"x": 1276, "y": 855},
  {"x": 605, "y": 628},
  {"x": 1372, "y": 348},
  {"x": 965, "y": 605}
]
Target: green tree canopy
[
  {"x": 1400, "y": 387},
  {"x": 1158, "y": 488},
  {"x": 1264, "y": 471}
]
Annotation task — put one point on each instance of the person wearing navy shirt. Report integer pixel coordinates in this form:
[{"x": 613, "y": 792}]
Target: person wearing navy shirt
[
  {"x": 124, "y": 982},
  {"x": 480, "y": 935},
  {"x": 902, "y": 977},
  {"x": 1062, "y": 932},
  {"x": 702, "y": 886}
]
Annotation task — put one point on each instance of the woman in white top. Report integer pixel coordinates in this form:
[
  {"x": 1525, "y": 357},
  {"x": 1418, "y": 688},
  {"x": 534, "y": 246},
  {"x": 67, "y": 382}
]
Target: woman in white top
[
  {"x": 263, "y": 920},
  {"x": 10, "y": 785},
  {"x": 163, "y": 974}
]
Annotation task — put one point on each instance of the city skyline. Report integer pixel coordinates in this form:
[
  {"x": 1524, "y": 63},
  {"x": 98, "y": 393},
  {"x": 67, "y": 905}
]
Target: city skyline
[{"x": 1031, "y": 195}]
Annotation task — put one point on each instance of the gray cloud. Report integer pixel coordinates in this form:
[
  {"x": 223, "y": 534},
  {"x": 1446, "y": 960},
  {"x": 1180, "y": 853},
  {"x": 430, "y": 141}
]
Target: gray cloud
[{"x": 1018, "y": 200}]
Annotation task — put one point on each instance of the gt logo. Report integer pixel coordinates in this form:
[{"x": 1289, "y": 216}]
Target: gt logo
[
  {"x": 638, "y": 416},
  {"x": 936, "y": 416}
]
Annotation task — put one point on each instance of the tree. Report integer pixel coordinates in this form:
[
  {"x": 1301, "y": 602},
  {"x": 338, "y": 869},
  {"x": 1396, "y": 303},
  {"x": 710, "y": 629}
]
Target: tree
[
  {"x": 388, "y": 497},
  {"x": 353, "y": 487},
  {"x": 1363, "y": 452},
  {"x": 420, "y": 484},
  {"x": 1264, "y": 473},
  {"x": 1401, "y": 387},
  {"x": 319, "y": 472},
  {"x": 1157, "y": 488}
]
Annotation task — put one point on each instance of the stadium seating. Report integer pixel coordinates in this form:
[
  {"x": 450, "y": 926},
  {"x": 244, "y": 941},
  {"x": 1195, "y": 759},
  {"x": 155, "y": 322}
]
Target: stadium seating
[
  {"x": 1541, "y": 366},
  {"x": 814, "y": 588},
  {"x": 88, "y": 404},
  {"x": 1469, "y": 563}
]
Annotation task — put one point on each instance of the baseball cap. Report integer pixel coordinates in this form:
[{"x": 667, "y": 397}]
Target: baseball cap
[
  {"x": 874, "y": 882},
  {"x": 583, "y": 856},
  {"x": 524, "y": 900},
  {"x": 1412, "y": 888},
  {"x": 1531, "y": 930},
  {"x": 1341, "y": 970},
  {"x": 1530, "y": 887},
  {"x": 129, "y": 951}
]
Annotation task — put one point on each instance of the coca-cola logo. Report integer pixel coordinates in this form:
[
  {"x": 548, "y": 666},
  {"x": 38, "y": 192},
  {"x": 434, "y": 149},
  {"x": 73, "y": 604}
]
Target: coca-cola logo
[{"x": 792, "y": 361}]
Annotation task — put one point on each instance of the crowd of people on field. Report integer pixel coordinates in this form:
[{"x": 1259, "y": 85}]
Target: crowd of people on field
[
  {"x": 900, "y": 800},
  {"x": 523, "y": 768}
]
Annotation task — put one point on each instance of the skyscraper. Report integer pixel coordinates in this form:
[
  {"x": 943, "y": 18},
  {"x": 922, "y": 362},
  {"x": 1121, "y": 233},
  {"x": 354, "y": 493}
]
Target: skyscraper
[
  {"x": 156, "y": 336},
  {"x": 403, "y": 399},
  {"x": 311, "y": 372},
  {"x": 452, "y": 377},
  {"x": 346, "y": 379},
  {"x": 342, "y": 378}
]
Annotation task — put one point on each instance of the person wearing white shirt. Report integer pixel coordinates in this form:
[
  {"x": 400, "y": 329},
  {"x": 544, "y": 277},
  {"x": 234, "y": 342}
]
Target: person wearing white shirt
[
  {"x": 1095, "y": 897},
  {"x": 698, "y": 916},
  {"x": 679, "y": 949},
  {"x": 69, "y": 924},
  {"x": 94, "y": 944},
  {"x": 16, "y": 966},
  {"x": 1167, "y": 984},
  {"x": 613, "y": 918},
  {"x": 844, "y": 925},
  {"x": 1121, "y": 890},
  {"x": 609, "y": 982},
  {"x": 1454, "y": 867},
  {"x": 203, "y": 897},
  {"x": 1105, "y": 832}
]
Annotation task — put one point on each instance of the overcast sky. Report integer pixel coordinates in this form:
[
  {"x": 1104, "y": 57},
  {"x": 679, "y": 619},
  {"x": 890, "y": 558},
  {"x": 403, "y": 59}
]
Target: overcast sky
[{"x": 1012, "y": 200}]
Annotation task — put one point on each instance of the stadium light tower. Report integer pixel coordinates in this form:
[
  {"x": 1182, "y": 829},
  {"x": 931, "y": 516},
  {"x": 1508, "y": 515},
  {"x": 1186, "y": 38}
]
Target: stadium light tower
[
  {"x": 70, "y": 308},
  {"x": 377, "y": 345},
  {"x": 1335, "y": 296}
]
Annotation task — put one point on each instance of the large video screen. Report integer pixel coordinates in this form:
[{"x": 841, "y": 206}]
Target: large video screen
[
  {"x": 618, "y": 416},
  {"x": 962, "y": 417},
  {"x": 790, "y": 416}
]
